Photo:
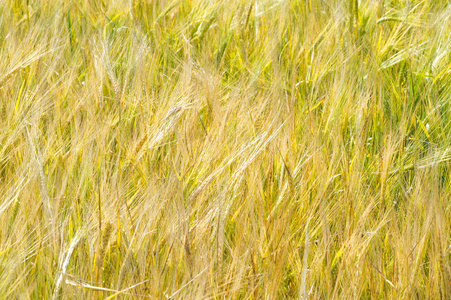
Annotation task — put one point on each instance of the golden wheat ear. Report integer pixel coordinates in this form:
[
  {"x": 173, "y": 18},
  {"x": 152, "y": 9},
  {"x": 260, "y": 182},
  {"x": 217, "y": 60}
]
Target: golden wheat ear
[{"x": 9, "y": 75}]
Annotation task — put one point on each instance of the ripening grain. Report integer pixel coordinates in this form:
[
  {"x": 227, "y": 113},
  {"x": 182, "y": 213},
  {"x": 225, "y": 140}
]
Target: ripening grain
[{"x": 206, "y": 149}]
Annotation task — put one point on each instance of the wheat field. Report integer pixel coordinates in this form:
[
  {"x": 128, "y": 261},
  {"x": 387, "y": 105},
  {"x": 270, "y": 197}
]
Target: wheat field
[{"x": 206, "y": 149}]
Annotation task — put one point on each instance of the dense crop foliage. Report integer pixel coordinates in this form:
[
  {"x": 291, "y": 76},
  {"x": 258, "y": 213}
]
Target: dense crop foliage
[{"x": 236, "y": 149}]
